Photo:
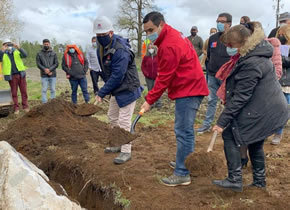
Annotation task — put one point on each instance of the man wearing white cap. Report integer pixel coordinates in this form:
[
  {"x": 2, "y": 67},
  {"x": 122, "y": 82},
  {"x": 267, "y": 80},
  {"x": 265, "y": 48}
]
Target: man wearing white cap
[
  {"x": 122, "y": 81},
  {"x": 14, "y": 72}
]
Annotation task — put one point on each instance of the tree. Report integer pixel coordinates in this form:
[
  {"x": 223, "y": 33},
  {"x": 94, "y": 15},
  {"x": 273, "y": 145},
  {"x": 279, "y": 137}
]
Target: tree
[
  {"x": 9, "y": 24},
  {"x": 130, "y": 19},
  {"x": 277, "y": 6}
]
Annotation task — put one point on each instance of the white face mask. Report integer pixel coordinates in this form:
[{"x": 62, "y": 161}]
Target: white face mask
[{"x": 151, "y": 51}]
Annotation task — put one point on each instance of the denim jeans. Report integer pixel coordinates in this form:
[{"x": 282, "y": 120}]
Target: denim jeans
[
  {"x": 185, "y": 112},
  {"x": 213, "y": 85},
  {"x": 45, "y": 82},
  {"x": 74, "y": 87},
  {"x": 287, "y": 96}
]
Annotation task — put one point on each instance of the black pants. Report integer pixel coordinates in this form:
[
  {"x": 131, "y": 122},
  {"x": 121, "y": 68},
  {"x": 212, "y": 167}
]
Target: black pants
[
  {"x": 95, "y": 78},
  {"x": 233, "y": 156}
]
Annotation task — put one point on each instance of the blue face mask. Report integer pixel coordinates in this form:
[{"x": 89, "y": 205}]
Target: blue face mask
[
  {"x": 220, "y": 27},
  {"x": 152, "y": 37},
  {"x": 232, "y": 51},
  {"x": 72, "y": 50},
  {"x": 104, "y": 40}
]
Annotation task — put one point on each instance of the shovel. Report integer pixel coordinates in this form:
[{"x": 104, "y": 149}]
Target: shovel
[
  {"x": 212, "y": 141},
  {"x": 132, "y": 130}
]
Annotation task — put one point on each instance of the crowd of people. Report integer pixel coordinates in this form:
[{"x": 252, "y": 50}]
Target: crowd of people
[{"x": 247, "y": 71}]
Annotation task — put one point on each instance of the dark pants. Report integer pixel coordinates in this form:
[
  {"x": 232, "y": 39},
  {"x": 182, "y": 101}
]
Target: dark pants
[
  {"x": 18, "y": 81},
  {"x": 150, "y": 85},
  {"x": 74, "y": 87},
  {"x": 95, "y": 79},
  {"x": 233, "y": 156}
]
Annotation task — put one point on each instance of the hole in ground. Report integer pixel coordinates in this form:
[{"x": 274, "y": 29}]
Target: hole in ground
[{"x": 86, "y": 193}]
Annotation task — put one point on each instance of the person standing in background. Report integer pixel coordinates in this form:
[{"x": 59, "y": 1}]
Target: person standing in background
[
  {"x": 94, "y": 66},
  {"x": 196, "y": 40},
  {"x": 47, "y": 63}
]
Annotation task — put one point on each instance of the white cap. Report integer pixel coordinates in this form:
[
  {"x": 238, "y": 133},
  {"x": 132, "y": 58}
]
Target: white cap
[
  {"x": 102, "y": 25},
  {"x": 6, "y": 41}
]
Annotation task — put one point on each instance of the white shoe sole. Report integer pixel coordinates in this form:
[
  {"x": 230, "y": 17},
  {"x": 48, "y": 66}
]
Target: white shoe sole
[{"x": 174, "y": 185}]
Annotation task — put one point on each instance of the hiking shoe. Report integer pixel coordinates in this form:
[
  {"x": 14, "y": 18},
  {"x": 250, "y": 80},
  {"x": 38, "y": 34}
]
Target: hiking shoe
[
  {"x": 203, "y": 129},
  {"x": 112, "y": 149},
  {"x": 122, "y": 158},
  {"x": 26, "y": 110},
  {"x": 174, "y": 180},
  {"x": 16, "y": 112},
  {"x": 172, "y": 164},
  {"x": 276, "y": 139}
]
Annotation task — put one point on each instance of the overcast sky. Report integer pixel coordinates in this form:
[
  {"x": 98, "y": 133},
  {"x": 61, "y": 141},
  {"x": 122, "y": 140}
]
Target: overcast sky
[{"x": 71, "y": 20}]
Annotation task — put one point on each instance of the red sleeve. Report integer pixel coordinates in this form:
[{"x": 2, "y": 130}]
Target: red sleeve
[{"x": 168, "y": 63}]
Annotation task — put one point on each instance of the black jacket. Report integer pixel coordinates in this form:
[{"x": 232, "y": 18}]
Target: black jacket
[
  {"x": 255, "y": 105},
  {"x": 273, "y": 32},
  {"x": 285, "y": 79},
  {"x": 216, "y": 54},
  {"x": 77, "y": 70},
  {"x": 47, "y": 59}
]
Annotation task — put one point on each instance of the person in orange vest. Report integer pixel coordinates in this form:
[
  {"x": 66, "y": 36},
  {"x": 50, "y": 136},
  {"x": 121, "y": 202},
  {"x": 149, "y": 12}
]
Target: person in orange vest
[
  {"x": 144, "y": 47},
  {"x": 75, "y": 65}
]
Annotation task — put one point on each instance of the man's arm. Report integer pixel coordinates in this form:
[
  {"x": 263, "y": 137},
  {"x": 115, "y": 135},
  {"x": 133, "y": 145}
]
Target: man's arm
[
  {"x": 55, "y": 64},
  {"x": 119, "y": 67},
  {"x": 38, "y": 62},
  {"x": 23, "y": 53},
  {"x": 88, "y": 57}
]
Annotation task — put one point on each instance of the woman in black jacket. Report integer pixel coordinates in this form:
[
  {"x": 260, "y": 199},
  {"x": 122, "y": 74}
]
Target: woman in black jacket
[{"x": 255, "y": 105}]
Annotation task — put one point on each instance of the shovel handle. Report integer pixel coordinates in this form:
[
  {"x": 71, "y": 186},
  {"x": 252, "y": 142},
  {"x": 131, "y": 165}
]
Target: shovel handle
[
  {"x": 212, "y": 141},
  {"x": 141, "y": 112}
]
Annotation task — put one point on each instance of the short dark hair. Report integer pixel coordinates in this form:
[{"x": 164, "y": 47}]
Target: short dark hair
[
  {"x": 246, "y": 19},
  {"x": 45, "y": 41},
  {"x": 155, "y": 17},
  {"x": 227, "y": 16},
  {"x": 94, "y": 38}
]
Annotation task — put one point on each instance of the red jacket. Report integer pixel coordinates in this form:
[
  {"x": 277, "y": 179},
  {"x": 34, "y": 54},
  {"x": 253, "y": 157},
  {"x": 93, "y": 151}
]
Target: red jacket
[
  {"x": 149, "y": 66},
  {"x": 179, "y": 69}
]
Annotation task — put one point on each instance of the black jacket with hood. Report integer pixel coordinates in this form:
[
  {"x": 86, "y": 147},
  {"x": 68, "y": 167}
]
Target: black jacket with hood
[
  {"x": 47, "y": 59},
  {"x": 255, "y": 105}
]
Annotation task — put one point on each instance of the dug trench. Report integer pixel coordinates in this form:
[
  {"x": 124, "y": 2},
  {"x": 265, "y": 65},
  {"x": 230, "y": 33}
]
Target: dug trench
[{"x": 69, "y": 148}]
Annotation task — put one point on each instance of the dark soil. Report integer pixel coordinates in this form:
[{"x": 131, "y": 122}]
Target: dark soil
[{"x": 70, "y": 149}]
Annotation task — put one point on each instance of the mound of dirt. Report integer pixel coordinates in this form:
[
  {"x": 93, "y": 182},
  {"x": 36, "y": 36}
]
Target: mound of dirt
[
  {"x": 205, "y": 164},
  {"x": 57, "y": 123}
]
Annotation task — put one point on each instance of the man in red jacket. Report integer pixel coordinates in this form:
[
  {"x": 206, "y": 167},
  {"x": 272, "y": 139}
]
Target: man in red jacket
[{"x": 180, "y": 72}]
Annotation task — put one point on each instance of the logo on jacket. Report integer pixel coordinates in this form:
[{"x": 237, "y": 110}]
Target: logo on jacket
[
  {"x": 108, "y": 59},
  {"x": 213, "y": 44}
]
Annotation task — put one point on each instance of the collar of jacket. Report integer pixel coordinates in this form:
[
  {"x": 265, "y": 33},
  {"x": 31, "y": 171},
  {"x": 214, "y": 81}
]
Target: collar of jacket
[
  {"x": 252, "y": 41},
  {"x": 162, "y": 35}
]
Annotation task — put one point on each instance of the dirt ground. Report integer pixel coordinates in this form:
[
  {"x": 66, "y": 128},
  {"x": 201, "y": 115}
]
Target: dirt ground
[{"x": 69, "y": 148}]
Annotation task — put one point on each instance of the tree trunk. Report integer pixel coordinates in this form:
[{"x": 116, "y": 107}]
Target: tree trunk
[{"x": 139, "y": 45}]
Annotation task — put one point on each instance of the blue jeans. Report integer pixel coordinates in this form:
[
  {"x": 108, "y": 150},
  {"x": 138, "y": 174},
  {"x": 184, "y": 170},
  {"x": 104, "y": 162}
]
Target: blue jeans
[
  {"x": 45, "y": 81},
  {"x": 185, "y": 112},
  {"x": 74, "y": 87},
  {"x": 287, "y": 96},
  {"x": 213, "y": 86}
]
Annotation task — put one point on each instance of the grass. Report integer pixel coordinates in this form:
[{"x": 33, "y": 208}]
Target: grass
[{"x": 33, "y": 89}]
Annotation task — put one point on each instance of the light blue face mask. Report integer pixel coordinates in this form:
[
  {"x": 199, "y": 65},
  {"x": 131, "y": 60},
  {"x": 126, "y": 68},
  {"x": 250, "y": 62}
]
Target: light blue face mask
[
  {"x": 72, "y": 50},
  {"x": 152, "y": 37},
  {"x": 220, "y": 27},
  {"x": 232, "y": 51}
]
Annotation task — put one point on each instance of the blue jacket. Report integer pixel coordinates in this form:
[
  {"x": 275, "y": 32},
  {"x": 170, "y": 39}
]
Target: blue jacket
[{"x": 118, "y": 65}]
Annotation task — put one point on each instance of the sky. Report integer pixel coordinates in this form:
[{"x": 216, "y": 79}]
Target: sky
[{"x": 72, "y": 20}]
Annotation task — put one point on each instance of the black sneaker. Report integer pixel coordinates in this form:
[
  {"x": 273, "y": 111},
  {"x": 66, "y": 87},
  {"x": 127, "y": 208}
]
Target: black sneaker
[
  {"x": 174, "y": 180},
  {"x": 203, "y": 129}
]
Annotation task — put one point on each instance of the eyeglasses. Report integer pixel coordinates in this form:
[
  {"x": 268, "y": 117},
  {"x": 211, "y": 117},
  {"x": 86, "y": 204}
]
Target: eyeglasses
[{"x": 222, "y": 21}]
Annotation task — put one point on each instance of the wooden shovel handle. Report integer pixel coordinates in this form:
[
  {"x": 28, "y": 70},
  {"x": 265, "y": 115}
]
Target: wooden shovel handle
[{"x": 212, "y": 141}]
